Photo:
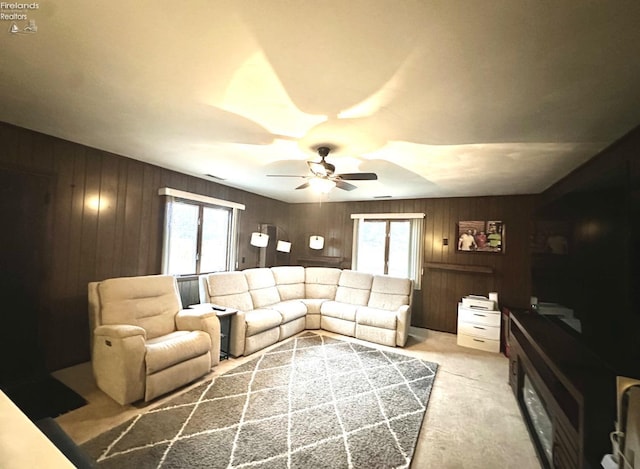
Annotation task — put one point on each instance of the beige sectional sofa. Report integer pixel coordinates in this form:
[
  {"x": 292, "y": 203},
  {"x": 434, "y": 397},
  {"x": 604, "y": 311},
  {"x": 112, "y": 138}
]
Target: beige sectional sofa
[{"x": 278, "y": 302}]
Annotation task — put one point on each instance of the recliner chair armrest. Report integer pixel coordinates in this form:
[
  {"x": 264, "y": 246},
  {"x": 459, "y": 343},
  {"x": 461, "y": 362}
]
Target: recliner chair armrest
[
  {"x": 120, "y": 331},
  {"x": 193, "y": 319},
  {"x": 200, "y": 319},
  {"x": 404, "y": 322},
  {"x": 118, "y": 361}
]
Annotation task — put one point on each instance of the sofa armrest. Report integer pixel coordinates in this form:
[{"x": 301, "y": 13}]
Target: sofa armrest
[
  {"x": 238, "y": 334},
  {"x": 404, "y": 322},
  {"x": 120, "y": 331},
  {"x": 202, "y": 319},
  {"x": 192, "y": 316}
]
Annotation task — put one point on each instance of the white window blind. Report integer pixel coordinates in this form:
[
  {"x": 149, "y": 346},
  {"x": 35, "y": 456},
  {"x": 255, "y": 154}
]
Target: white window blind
[
  {"x": 200, "y": 233},
  {"x": 389, "y": 243}
]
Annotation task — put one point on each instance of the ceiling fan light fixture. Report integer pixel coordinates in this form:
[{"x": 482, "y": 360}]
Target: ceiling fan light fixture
[
  {"x": 321, "y": 184},
  {"x": 318, "y": 169}
]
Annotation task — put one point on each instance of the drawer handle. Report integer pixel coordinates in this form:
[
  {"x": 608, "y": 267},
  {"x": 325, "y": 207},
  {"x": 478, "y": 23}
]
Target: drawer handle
[
  {"x": 478, "y": 327},
  {"x": 481, "y": 315},
  {"x": 478, "y": 340}
]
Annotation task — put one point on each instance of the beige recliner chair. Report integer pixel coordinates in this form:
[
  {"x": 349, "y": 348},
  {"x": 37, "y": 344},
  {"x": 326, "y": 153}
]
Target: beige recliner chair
[{"x": 143, "y": 344}]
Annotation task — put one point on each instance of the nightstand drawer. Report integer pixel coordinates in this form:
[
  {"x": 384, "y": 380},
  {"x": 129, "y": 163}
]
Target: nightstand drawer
[
  {"x": 479, "y": 343},
  {"x": 479, "y": 330},
  {"x": 478, "y": 316}
]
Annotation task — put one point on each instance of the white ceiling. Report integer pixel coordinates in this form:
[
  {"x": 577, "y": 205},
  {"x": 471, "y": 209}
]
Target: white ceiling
[{"x": 439, "y": 98}]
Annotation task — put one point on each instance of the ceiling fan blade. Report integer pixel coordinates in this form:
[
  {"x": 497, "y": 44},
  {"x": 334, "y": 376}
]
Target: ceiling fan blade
[
  {"x": 358, "y": 176},
  {"x": 345, "y": 186},
  {"x": 303, "y": 186},
  {"x": 285, "y": 176}
]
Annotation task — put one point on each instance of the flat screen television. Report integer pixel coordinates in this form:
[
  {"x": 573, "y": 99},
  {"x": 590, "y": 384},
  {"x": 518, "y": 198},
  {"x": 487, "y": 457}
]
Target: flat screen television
[{"x": 585, "y": 259}]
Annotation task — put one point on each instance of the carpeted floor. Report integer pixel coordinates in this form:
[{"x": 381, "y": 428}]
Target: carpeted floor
[{"x": 312, "y": 402}]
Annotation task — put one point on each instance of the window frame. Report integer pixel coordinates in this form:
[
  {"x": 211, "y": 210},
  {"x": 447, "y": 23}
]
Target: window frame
[
  {"x": 174, "y": 196},
  {"x": 416, "y": 248}
]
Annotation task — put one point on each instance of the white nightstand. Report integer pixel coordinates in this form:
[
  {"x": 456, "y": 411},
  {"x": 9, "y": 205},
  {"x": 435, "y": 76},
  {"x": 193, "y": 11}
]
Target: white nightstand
[{"x": 478, "y": 328}]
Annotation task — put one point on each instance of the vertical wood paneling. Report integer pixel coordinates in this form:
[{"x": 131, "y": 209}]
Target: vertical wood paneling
[
  {"x": 133, "y": 211},
  {"x": 189, "y": 294},
  {"x": 42, "y": 157},
  {"x": 154, "y": 259},
  {"x": 120, "y": 217},
  {"x": 441, "y": 291},
  {"x": 25, "y": 148},
  {"x": 125, "y": 237},
  {"x": 122, "y": 238},
  {"x": 147, "y": 209},
  {"x": 88, "y": 240},
  {"x": 62, "y": 205},
  {"x": 72, "y": 269},
  {"x": 107, "y": 234}
]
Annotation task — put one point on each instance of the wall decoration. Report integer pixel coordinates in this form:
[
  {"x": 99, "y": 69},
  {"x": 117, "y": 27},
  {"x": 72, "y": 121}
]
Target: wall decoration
[{"x": 480, "y": 236}]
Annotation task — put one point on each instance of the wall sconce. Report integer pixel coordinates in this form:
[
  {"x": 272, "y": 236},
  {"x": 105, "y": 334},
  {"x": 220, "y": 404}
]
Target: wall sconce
[
  {"x": 97, "y": 203},
  {"x": 316, "y": 242},
  {"x": 259, "y": 240},
  {"x": 283, "y": 246}
]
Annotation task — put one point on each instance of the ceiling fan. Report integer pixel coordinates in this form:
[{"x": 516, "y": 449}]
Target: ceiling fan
[{"x": 323, "y": 175}]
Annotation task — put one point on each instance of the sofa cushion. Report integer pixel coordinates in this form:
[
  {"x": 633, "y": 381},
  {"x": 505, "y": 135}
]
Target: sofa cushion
[
  {"x": 261, "y": 340},
  {"x": 228, "y": 289},
  {"x": 262, "y": 287},
  {"x": 260, "y": 277},
  {"x": 339, "y": 326},
  {"x": 292, "y": 327},
  {"x": 290, "y": 310},
  {"x": 265, "y": 297},
  {"x": 336, "y": 309},
  {"x": 313, "y": 304},
  {"x": 354, "y": 287},
  {"x": 389, "y": 292},
  {"x": 262, "y": 319},
  {"x": 163, "y": 352},
  {"x": 321, "y": 282},
  {"x": 377, "y": 335},
  {"x": 289, "y": 281},
  {"x": 383, "y": 318},
  {"x": 226, "y": 283},
  {"x": 150, "y": 302}
]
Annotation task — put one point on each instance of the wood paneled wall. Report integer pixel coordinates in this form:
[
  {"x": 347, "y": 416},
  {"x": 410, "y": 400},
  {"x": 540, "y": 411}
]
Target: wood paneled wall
[
  {"x": 435, "y": 305},
  {"x": 123, "y": 238}
]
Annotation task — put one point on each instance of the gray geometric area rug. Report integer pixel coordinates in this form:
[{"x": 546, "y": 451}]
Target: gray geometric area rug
[{"x": 312, "y": 402}]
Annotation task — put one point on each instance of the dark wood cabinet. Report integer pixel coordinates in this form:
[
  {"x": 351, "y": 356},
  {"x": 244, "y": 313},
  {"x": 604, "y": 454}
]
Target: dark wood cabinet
[{"x": 573, "y": 390}]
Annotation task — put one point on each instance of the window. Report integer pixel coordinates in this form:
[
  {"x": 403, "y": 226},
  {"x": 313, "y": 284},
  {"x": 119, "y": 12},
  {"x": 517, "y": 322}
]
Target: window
[
  {"x": 199, "y": 234},
  {"x": 388, "y": 243}
]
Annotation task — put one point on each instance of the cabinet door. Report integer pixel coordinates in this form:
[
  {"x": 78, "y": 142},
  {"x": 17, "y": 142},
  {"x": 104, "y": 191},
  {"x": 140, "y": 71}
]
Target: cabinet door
[
  {"x": 514, "y": 353},
  {"x": 565, "y": 446}
]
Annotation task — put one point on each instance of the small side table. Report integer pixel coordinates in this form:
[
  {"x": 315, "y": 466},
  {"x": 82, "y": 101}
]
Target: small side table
[
  {"x": 225, "y": 330},
  {"x": 224, "y": 315}
]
